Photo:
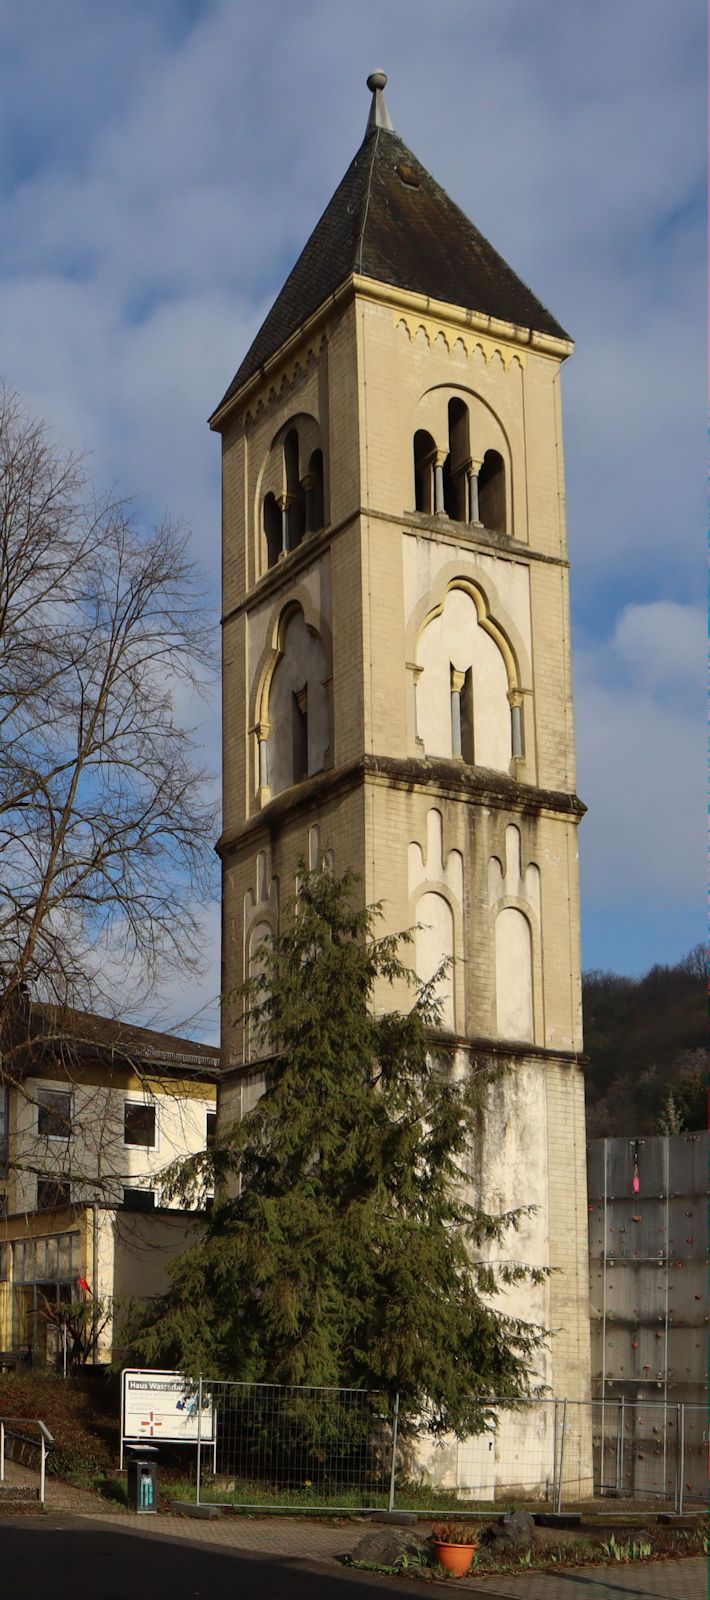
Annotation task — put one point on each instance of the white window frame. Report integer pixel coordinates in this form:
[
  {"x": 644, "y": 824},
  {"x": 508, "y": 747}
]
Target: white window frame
[
  {"x": 59, "y": 1138},
  {"x": 128, "y": 1144}
]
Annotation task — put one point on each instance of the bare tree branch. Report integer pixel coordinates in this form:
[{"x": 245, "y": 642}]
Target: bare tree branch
[{"x": 106, "y": 820}]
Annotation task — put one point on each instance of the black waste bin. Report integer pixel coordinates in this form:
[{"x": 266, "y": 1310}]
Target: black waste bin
[{"x": 143, "y": 1484}]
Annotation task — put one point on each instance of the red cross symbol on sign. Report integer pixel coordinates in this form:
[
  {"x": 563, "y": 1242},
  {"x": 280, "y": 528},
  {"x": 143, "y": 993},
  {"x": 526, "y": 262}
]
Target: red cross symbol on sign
[{"x": 151, "y": 1423}]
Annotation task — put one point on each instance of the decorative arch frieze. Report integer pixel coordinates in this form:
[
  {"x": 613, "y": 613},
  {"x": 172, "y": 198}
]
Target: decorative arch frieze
[
  {"x": 515, "y": 911},
  {"x": 436, "y": 882},
  {"x": 260, "y": 925},
  {"x": 434, "y": 329},
  {"x": 285, "y": 379}
]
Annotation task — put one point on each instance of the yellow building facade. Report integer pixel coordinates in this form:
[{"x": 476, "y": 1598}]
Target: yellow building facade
[{"x": 397, "y": 670}]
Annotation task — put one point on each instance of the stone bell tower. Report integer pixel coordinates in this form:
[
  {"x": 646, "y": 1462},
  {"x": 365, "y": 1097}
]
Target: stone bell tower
[{"x": 397, "y": 680}]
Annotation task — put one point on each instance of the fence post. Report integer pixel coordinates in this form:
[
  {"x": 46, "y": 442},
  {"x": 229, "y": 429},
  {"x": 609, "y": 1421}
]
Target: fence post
[
  {"x": 681, "y": 1459},
  {"x": 199, "y": 1441},
  {"x": 558, "y": 1507},
  {"x": 42, "y": 1462},
  {"x": 2, "y": 1452},
  {"x": 620, "y": 1450},
  {"x": 393, "y": 1467},
  {"x": 554, "y": 1456},
  {"x": 679, "y": 1463}
]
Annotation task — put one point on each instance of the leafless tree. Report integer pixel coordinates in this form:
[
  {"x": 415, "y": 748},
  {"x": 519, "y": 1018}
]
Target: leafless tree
[{"x": 106, "y": 820}]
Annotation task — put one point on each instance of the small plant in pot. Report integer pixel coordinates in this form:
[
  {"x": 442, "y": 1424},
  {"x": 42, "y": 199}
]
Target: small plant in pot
[{"x": 455, "y": 1544}]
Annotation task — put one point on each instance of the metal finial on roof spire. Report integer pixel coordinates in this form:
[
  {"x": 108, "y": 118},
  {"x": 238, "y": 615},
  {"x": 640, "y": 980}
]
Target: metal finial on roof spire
[{"x": 379, "y": 115}]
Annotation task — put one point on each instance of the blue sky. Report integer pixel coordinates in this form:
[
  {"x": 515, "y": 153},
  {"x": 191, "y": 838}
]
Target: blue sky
[{"x": 161, "y": 166}]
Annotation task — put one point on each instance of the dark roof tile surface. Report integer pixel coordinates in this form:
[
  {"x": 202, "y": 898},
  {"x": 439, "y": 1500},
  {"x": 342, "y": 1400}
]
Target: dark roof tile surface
[{"x": 390, "y": 220}]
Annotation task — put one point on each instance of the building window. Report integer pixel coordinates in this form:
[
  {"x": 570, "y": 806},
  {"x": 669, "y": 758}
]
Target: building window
[
  {"x": 139, "y": 1124},
  {"x": 54, "y": 1113},
  {"x": 491, "y": 492},
  {"x": 315, "y": 499},
  {"x": 139, "y": 1199},
  {"x": 210, "y": 1129},
  {"x": 53, "y": 1193},
  {"x": 273, "y": 530},
  {"x": 424, "y": 459},
  {"x": 455, "y": 465}
]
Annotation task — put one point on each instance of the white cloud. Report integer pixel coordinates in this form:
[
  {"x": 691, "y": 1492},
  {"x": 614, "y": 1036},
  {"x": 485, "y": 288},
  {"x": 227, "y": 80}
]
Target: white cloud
[
  {"x": 162, "y": 171},
  {"x": 639, "y": 734},
  {"x": 663, "y": 641}
]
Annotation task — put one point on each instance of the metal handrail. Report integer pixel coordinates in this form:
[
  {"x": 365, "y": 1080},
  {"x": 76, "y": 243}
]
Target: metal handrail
[{"x": 46, "y": 1440}]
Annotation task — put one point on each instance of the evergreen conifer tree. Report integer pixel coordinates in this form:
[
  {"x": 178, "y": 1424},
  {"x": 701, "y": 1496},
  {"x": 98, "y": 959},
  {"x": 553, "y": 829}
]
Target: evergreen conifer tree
[{"x": 341, "y": 1248}]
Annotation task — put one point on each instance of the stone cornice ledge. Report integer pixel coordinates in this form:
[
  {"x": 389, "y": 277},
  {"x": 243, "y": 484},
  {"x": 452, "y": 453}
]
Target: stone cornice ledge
[
  {"x": 443, "y": 1044},
  {"x": 449, "y": 779}
]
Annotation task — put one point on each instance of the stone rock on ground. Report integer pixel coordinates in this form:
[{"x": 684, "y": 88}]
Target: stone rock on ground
[
  {"x": 515, "y": 1528},
  {"x": 386, "y": 1546}
]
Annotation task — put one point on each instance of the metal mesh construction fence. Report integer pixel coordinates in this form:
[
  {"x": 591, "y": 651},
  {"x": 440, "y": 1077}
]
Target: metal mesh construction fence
[
  {"x": 282, "y": 1446},
  {"x": 297, "y": 1447}
]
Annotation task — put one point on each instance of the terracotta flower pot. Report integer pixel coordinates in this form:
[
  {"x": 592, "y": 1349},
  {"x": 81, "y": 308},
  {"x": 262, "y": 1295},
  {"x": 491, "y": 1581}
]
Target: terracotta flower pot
[{"x": 455, "y": 1558}]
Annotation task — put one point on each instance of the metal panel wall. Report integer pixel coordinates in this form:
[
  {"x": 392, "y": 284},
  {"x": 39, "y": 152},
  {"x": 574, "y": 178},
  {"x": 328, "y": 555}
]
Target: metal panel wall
[{"x": 648, "y": 1276}]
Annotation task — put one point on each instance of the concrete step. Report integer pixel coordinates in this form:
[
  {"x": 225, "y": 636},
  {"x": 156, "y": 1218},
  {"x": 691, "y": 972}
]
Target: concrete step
[{"x": 18, "y": 1494}]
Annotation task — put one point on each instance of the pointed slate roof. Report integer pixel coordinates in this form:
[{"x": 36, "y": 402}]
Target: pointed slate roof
[{"x": 390, "y": 220}]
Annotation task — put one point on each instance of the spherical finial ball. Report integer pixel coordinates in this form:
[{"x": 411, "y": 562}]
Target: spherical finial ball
[{"x": 377, "y": 80}]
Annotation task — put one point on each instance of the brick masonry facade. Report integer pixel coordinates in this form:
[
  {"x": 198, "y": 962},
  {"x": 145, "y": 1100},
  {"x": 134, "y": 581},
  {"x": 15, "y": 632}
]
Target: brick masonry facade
[{"x": 485, "y": 846}]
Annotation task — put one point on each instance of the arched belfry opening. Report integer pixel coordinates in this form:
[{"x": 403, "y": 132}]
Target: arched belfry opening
[
  {"x": 272, "y": 530},
  {"x": 293, "y": 489},
  {"x": 491, "y": 492},
  {"x": 314, "y": 493},
  {"x": 424, "y": 461},
  {"x": 455, "y": 466},
  {"x": 295, "y": 497}
]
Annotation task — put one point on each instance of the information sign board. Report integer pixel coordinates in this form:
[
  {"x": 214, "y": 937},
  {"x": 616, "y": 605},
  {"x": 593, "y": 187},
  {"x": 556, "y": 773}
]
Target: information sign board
[{"x": 163, "y": 1406}]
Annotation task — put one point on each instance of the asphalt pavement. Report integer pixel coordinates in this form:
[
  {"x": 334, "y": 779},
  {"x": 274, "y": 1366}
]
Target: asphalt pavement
[
  {"x": 61, "y": 1557},
  {"x": 57, "y": 1558}
]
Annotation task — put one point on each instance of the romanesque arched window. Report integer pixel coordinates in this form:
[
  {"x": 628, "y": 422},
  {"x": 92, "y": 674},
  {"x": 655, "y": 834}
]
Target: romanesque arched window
[
  {"x": 491, "y": 492},
  {"x": 298, "y": 710},
  {"x": 314, "y": 495},
  {"x": 272, "y": 530},
  {"x": 292, "y": 489},
  {"x": 456, "y": 463},
  {"x": 424, "y": 459}
]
